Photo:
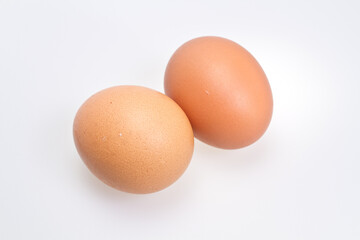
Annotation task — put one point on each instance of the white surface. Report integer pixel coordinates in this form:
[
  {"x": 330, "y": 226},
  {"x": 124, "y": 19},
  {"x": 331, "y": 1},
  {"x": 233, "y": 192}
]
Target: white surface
[{"x": 300, "y": 181}]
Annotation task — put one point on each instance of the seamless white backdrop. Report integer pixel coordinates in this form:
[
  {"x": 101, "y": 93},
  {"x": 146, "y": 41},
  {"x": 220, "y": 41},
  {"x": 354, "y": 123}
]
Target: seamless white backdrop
[{"x": 299, "y": 181}]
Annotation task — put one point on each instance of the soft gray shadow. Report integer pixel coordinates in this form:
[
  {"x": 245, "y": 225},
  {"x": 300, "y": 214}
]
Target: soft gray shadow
[
  {"x": 257, "y": 153},
  {"x": 173, "y": 196}
]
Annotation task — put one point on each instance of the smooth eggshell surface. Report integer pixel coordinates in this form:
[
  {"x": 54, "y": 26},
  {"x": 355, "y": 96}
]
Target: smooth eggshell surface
[
  {"x": 133, "y": 138},
  {"x": 222, "y": 89}
]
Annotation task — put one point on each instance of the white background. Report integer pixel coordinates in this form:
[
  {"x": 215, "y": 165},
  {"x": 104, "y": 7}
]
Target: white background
[{"x": 299, "y": 181}]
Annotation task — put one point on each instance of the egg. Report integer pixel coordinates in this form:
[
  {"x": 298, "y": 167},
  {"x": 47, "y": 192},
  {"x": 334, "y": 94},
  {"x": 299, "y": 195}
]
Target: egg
[
  {"x": 133, "y": 138},
  {"x": 222, "y": 89}
]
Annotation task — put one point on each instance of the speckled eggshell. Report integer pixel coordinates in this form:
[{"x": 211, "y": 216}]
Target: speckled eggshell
[
  {"x": 133, "y": 138},
  {"x": 222, "y": 89}
]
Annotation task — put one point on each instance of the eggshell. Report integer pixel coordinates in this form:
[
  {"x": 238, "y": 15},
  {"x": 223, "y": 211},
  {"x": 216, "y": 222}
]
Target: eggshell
[
  {"x": 222, "y": 89},
  {"x": 133, "y": 138}
]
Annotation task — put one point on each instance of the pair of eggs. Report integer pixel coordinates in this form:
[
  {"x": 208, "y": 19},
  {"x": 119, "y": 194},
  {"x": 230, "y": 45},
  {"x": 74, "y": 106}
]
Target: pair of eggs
[{"x": 139, "y": 140}]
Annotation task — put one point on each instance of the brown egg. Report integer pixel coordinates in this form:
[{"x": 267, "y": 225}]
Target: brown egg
[
  {"x": 133, "y": 138},
  {"x": 222, "y": 89}
]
